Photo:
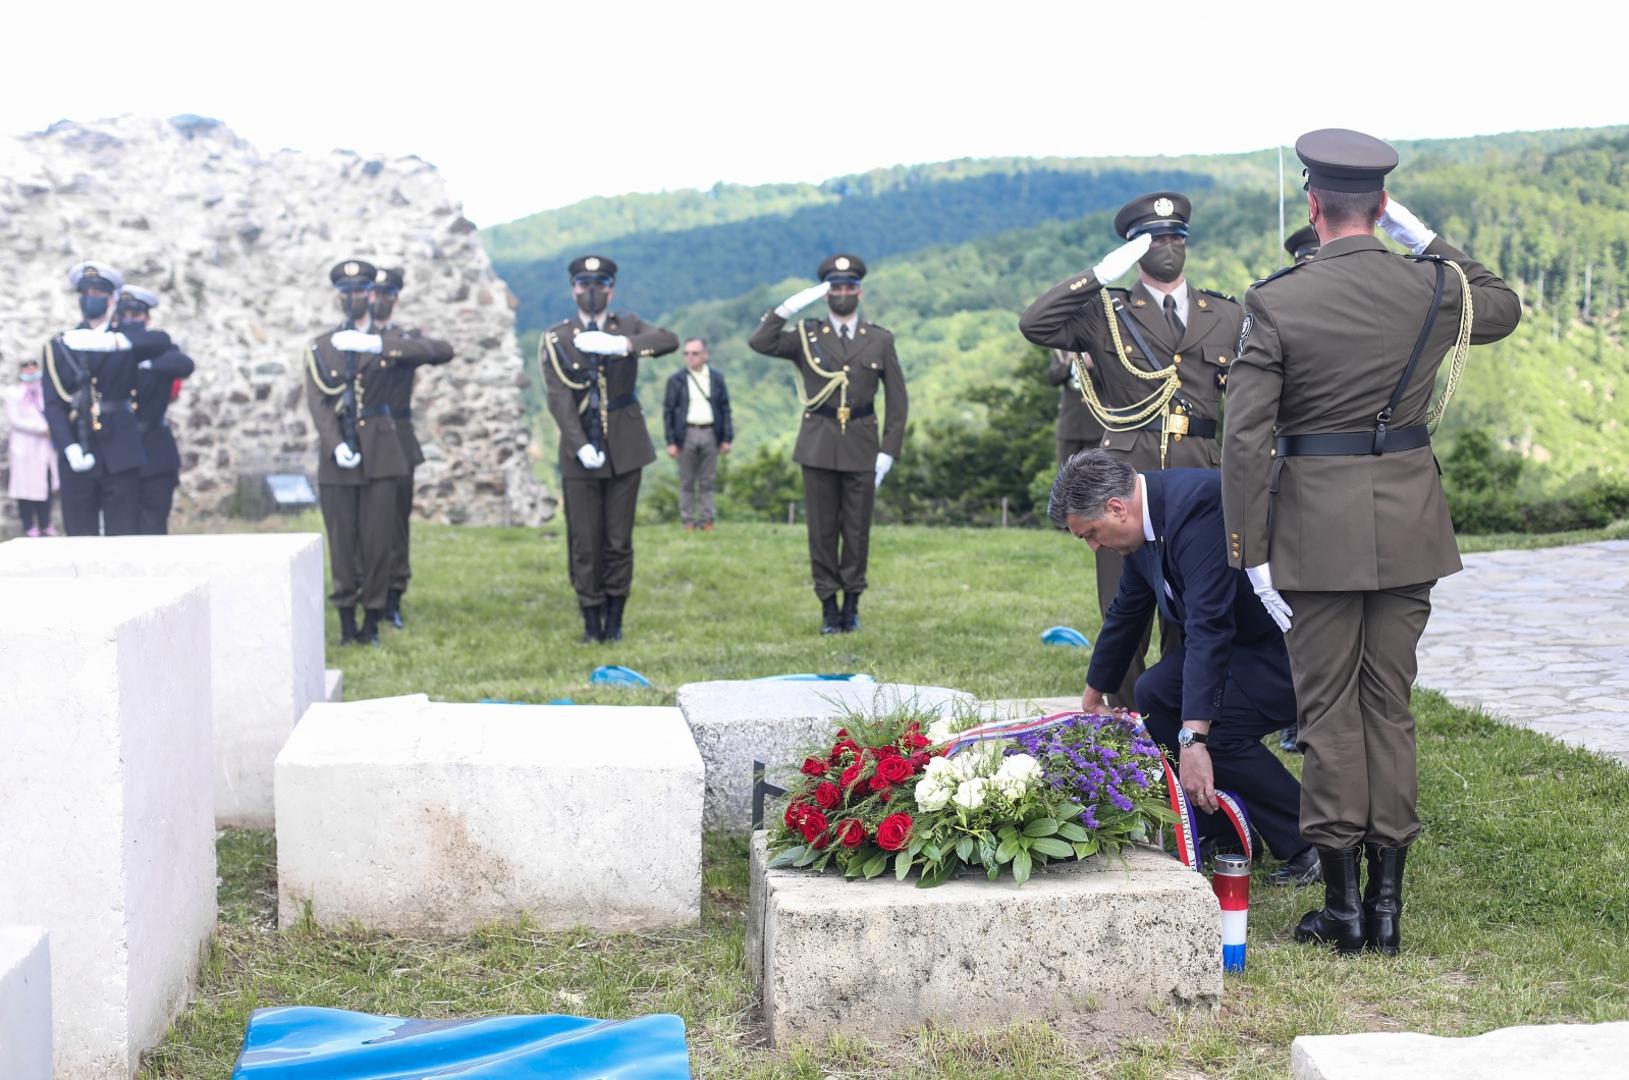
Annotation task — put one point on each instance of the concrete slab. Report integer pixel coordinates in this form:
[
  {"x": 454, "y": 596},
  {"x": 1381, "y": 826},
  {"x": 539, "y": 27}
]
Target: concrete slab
[
  {"x": 1534, "y": 1052},
  {"x": 1142, "y": 933},
  {"x": 107, "y": 834},
  {"x": 266, "y": 607},
  {"x": 738, "y": 722},
  {"x": 409, "y": 815},
  {"x": 25, "y": 1003},
  {"x": 333, "y": 685}
]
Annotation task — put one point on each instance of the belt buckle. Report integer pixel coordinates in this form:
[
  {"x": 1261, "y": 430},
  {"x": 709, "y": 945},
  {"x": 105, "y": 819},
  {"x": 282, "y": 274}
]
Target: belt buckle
[
  {"x": 843, "y": 414},
  {"x": 1177, "y": 424}
]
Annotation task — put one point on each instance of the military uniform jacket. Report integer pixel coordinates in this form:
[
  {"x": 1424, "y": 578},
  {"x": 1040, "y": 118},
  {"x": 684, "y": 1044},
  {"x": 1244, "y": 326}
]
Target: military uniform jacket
[
  {"x": 569, "y": 376},
  {"x": 1070, "y": 316},
  {"x": 415, "y": 351},
  {"x": 869, "y": 363},
  {"x": 152, "y": 402},
  {"x": 1325, "y": 345},
  {"x": 1076, "y": 421},
  {"x": 325, "y": 368},
  {"x": 115, "y": 438}
]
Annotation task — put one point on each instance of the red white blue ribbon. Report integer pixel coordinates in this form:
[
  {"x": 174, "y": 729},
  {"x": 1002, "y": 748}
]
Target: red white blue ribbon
[
  {"x": 1002, "y": 729},
  {"x": 1187, "y": 834}
]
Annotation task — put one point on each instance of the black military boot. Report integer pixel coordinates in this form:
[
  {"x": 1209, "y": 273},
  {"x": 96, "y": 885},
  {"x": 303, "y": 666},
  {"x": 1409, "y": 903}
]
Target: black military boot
[
  {"x": 1383, "y": 898},
  {"x": 347, "y": 626},
  {"x": 613, "y": 617},
  {"x": 369, "y": 634},
  {"x": 593, "y": 624},
  {"x": 1340, "y": 921},
  {"x": 1286, "y": 741},
  {"x": 831, "y": 621},
  {"x": 393, "y": 608},
  {"x": 851, "y": 612}
]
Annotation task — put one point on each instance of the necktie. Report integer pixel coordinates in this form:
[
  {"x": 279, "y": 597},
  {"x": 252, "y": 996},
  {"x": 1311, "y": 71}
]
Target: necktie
[
  {"x": 1171, "y": 317},
  {"x": 594, "y": 324},
  {"x": 844, "y": 331}
]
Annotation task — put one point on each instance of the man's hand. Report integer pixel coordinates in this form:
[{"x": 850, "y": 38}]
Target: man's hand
[
  {"x": 1198, "y": 777},
  {"x": 591, "y": 456},
  {"x": 884, "y": 463},
  {"x": 1261, "y": 579},
  {"x": 85, "y": 339},
  {"x": 345, "y": 457},
  {"x": 598, "y": 341},
  {"x": 1399, "y": 223},
  {"x": 145, "y": 365},
  {"x": 672, "y": 451},
  {"x": 800, "y": 300},
  {"x": 78, "y": 460},
  {"x": 1121, "y": 259},
  {"x": 357, "y": 341},
  {"x": 1091, "y": 701},
  {"x": 723, "y": 447}
]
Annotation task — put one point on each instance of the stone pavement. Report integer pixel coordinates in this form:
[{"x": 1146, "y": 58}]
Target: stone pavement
[{"x": 1538, "y": 638}]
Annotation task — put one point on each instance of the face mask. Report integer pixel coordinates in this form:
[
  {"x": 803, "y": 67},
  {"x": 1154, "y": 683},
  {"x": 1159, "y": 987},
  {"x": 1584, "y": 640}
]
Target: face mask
[
  {"x": 592, "y": 300},
  {"x": 92, "y": 305},
  {"x": 354, "y": 305},
  {"x": 382, "y": 306},
  {"x": 30, "y": 376},
  {"x": 1164, "y": 263},
  {"x": 843, "y": 305}
]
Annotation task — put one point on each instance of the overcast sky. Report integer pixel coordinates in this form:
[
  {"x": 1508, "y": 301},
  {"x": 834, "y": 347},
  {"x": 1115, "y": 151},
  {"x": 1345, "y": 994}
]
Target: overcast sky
[{"x": 527, "y": 111}]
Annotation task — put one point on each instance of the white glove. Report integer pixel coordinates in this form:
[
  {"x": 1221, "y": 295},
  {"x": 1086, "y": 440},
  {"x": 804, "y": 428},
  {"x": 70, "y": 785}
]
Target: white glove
[
  {"x": 145, "y": 365},
  {"x": 357, "y": 341},
  {"x": 598, "y": 341},
  {"x": 1121, "y": 259},
  {"x": 591, "y": 456},
  {"x": 78, "y": 460},
  {"x": 884, "y": 463},
  {"x": 800, "y": 300},
  {"x": 1399, "y": 223},
  {"x": 1261, "y": 579},
  {"x": 345, "y": 457},
  {"x": 88, "y": 340}
]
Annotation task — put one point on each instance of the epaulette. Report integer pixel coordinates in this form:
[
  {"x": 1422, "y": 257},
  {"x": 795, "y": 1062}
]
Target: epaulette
[
  {"x": 879, "y": 326},
  {"x": 1219, "y": 295},
  {"x": 1275, "y": 275}
]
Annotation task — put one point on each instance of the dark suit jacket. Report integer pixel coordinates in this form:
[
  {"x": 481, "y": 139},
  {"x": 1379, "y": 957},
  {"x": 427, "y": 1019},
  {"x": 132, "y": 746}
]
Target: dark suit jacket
[
  {"x": 1224, "y": 627},
  {"x": 116, "y": 441},
  {"x": 152, "y": 402},
  {"x": 676, "y": 407},
  {"x": 626, "y": 442}
]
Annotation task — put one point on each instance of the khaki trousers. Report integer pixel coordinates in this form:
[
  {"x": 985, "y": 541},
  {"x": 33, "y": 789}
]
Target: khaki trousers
[
  {"x": 837, "y": 505},
  {"x": 599, "y": 535},
  {"x": 698, "y": 466},
  {"x": 360, "y": 520}
]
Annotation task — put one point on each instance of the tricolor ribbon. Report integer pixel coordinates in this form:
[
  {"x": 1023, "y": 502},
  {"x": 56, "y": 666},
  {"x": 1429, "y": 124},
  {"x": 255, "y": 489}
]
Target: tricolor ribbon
[
  {"x": 1187, "y": 838},
  {"x": 1002, "y": 729}
]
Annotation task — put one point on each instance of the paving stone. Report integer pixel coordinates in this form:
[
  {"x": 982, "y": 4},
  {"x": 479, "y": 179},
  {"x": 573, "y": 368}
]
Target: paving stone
[
  {"x": 1537, "y": 1052},
  {"x": 25, "y": 1003}
]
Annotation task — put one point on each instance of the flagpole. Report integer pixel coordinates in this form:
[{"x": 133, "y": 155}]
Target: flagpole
[{"x": 1281, "y": 195}]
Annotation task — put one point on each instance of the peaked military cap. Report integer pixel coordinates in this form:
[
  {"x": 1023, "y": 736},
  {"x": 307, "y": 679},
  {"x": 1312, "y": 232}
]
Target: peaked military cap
[
  {"x": 92, "y": 274},
  {"x": 849, "y": 268},
  {"x": 1343, "y": 160},
  {"x": 1159, "y": 213},
  {"x": 353, "y": 272},
  {"x": 593, "y": 266},
  {"x": 1302, "y": 244},
  {"x": 145, "y": 298},
  {"x": 388, "y": 277}
]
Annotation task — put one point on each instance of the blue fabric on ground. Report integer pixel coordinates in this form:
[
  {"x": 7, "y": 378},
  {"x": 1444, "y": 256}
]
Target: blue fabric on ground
[
  {"x": 617, "y": 675},
  {"x": 302, "y": 1043},
  {"x": 1065, "y": 635}
]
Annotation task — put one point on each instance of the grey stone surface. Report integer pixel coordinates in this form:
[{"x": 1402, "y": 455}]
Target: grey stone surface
[
  {"x": 1538, "y": 1052},
  {"x": 877, "y": 958},
  {"x": 738, "y": 722},
  {"x": 1540, "y": 639},
  {"x": 333, "y": 685}
]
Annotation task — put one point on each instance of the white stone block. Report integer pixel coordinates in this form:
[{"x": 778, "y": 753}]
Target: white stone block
[
  {"x": 408, "y": 815},
  {"x": 1534, "y": 1052},
  {"x": 333, "y": 685},
  {"x": 266, "y": 610},
  {"x": 738, "y": 722},
  {"x": 880, "y": 958},
  {"x": 25, "y": 1004},
  {"x": 107, "y": 835}
]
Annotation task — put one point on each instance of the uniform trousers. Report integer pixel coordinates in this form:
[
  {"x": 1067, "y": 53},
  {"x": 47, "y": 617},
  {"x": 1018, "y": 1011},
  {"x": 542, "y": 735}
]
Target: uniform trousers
[
  {"x": 1352, "y": 655},
  {"x": 837, "y": 508},
  {"x": 698, "y": 467},
  {"x": 156, "y": 496},
  {"x": 403, "y": 571},
  {"x": 1241, "y": 763},
  {"x": 1068, "y": 448},
  {"x": 106, "y": 505},
  {"x": 361, "y": 523},
  {"x": 599, "y": 534}
]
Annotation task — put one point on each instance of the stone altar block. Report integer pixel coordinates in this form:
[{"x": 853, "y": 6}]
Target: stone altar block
[
  {"x": 738, "y": 722},
  {"x": 1535, "y": 1051},
  {"x": 882, "y": 957},
  {"x": 416, "y": 816},
  {"x": 107, "y": 832},
  {"x": 25, "y": 1004},
  {"x": 266, "y": 609}
]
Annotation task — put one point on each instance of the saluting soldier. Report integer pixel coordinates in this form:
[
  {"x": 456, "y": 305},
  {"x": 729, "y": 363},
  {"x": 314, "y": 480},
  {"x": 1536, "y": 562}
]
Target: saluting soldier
[
  {"x": 591, "y": 368},
  {"x": 1335, "y": 509},
  {"x": 1302, "y": 246},
  {"x": 1078, "y": 427},
  {"x": 1160, "y": 353},
  {"x": 842, "y": 362},
  {"x": 348, "y": 376},
  {"x": 91, "y": 409},
  {"x": 156, "y": 382},
  {"x": 416, "y": 351}
]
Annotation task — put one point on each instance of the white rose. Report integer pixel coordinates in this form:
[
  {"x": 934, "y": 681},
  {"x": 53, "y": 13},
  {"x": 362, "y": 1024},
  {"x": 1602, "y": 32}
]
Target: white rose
[
  {"x": 1021, "y": 768},
  {"x": 939, "y": 767},
  {"x": 931, "y": 795},
  {"x": 940, "y": 730},
  {"x": 970, "y": 795},
  {"x": 1011, "y": 787}
]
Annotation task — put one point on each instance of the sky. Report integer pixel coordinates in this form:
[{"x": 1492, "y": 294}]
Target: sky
[{"x": 530, "y": 107}]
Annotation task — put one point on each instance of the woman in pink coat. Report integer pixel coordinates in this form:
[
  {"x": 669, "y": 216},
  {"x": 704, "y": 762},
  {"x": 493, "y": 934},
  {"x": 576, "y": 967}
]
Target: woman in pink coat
[{"x": 33, "y": 459}]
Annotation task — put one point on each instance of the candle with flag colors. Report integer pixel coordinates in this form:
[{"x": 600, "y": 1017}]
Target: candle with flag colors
[{"x": 1231, "y": 881}]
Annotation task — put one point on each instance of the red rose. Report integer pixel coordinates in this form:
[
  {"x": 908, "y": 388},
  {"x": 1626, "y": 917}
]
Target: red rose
[
  {"x": 814, "y": 823},
  {"x": 842, "y": 733},
  {"x": 851, "y": 774},
  {"x": 885, "y": 796},
  {"x": 828, "y": 795},
  {"x": 794, "y": 815},
  {"x": 884, "y": 752},
  {"x": 879, "y": 783},
  {"x": 917, "y": 761},
  {"x": 822, "y": 841},
  {"x": 845, "y": 746},
  {"x": 850, "y": 833},
  {"x": 894, "y": 769},
  {"x": 813, "y": 767},
  {"x": 894, "y": 831}
]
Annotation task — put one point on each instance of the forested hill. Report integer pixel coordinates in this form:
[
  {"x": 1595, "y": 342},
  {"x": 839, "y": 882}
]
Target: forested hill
[{"x": 958, "y": 249}]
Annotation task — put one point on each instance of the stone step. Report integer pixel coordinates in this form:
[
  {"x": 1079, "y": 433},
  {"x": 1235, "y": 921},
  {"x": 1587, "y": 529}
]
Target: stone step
[
  {"x": 1534, "y": 1052},
  {"x": 25, "y": 1003}
]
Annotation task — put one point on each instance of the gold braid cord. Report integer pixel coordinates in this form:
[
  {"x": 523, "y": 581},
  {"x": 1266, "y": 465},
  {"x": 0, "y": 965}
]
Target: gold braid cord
[
  {"x": 582, "y": 406},
  {"x": 836, "y": 382},
  {"x": 315, "y": 369},
  {"x": 51, "y": 369},
  {"x": 1118, "y": 418},
  {"x": 1462, "y": 345}
]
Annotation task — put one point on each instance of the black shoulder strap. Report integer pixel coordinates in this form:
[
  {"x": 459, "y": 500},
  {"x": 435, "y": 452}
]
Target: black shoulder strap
[
  {"x": 1383, "y": 419},
  {"x": 1136, "y": 336}
]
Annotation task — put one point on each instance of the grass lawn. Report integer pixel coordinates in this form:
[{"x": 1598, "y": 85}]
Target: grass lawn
[{"x": 1518, "y": 910}]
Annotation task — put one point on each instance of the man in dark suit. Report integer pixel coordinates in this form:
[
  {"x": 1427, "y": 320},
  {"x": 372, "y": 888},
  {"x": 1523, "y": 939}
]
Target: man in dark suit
[
  {"x": 156, "y": 380},
  {"x": 696, "y": 421},
  {"x": 1211, "y": 698}
]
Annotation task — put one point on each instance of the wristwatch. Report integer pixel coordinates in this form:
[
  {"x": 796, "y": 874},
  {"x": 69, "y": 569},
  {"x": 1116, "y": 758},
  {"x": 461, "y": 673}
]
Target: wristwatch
[{"x": 1186, "y": 737}]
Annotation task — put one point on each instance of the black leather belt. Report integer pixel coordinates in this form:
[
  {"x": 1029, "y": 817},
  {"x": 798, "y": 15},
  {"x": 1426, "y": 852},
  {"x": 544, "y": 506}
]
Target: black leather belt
[
  {"x": 386, "y": 410},
  {"x": 1354, "y": 443},
  {"x": 1198, "y": 428},
  {"x": 689, "y": 424},
  {"x": 858, "y": 412},
  {"x": 621, "y": 402}
]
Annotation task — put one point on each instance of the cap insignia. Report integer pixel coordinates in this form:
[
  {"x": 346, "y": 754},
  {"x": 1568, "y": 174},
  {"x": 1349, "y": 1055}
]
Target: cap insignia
[
  {"x": 841, "y": 263},
  {"x": 381, "y": 276},
  {"x": 1163, "y": 206},
  {"x": 351, "y": 269},
  {"x": 591, "y": 263}
]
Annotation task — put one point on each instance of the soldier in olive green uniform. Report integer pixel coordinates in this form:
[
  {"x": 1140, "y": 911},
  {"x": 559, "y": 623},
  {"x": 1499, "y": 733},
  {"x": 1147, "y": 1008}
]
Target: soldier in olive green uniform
[
  {"x": 1160, "y": 352},
  {"x": 590, "y": 367},
  {"x": 1331, "y": 494},
  {"x": 1302, "y": 246},
  {"x": 842, "y": 361},
  {"x": 1078, "y": 427}
]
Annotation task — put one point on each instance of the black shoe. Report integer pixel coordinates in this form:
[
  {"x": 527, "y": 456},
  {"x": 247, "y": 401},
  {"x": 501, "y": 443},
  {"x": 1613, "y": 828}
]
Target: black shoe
[
  {"x": 613, "y": 617},
  {"x": 1286, "y": 741},
  {"x": 369, "y": 634},
  {"x": 1299, "y": 870},
  {"x": 831, "y": 621},
  {"x": 347, "y": 626},
  {"x": 1383, "y": 898},
  {"x": 593, "y": 624},
  {"x": 393, "y": 608},
  {"x": 851, "y": 612},
  {"x": 1339, "y": 922}
]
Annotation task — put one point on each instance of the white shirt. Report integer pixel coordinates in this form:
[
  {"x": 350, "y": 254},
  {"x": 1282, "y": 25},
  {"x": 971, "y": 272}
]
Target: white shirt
[
  {"x": 852, "y": 322},
  {"x": 1179, "y": 294},
  {"x": 701, "y": 406},
  {"x": 585, "y": 318}
]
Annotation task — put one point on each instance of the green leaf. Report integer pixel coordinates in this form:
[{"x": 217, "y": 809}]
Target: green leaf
[
  {"x": 964, "y": 849},
  {"x": 933, "y": 852},
  {"x": 785, "y": 858},
  {"x": 987, "y": 851},
  {"x": 873, "y": 865},
  {"x": 916, "y": 846},
  {"x": 1041, "y": 826},
  {"x": 1069, "y": 812},
  {"x": 1007, "y": 832},
  {"x": 1006, "y": 850},
  {"x": 1020, "y": 867},
  {"x": 810, "y": 854},
  {"x": 902, "y": 864},
  {"x": 820, "y": 863},
  {"x": 1052, "y": 846},
  {"x": 994, "y": 871},
  {"x": 1070, "y": 831},
  {"x": 936, "y": 874},
  {"x": 1086, "y": 848},
  {"x": 851, "y": 867}
]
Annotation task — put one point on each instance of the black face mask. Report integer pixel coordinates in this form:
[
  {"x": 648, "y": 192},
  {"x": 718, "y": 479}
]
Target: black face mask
[
  {"x": 843, "y": 305},
  {"x": 1164, "y": 262},
  {"x": 592, "y": 300},
  {"x": 93, "y": 305},
  {"x": 381, "y": 307},
  {"x": 353, "y": 304}
]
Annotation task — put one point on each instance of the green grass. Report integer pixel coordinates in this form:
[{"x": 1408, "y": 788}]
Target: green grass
[
  {"x": 1505, "y": 541},
  {"x": 1516, "y": 906}
]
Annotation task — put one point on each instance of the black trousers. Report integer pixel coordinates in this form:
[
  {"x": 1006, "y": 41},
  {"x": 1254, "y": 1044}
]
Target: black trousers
[
  {"x": 156, "y": 495},
  {"x": 360, "y": 520},
  {"x": 101, "y": 505},
  {"x": 35, "y": 514},
  {"x": 1271, "y": 794},
  {"x": 404, "y": 534},
  {"x": 837, "y": 507},
  {"x": 599, "y": 535}
]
